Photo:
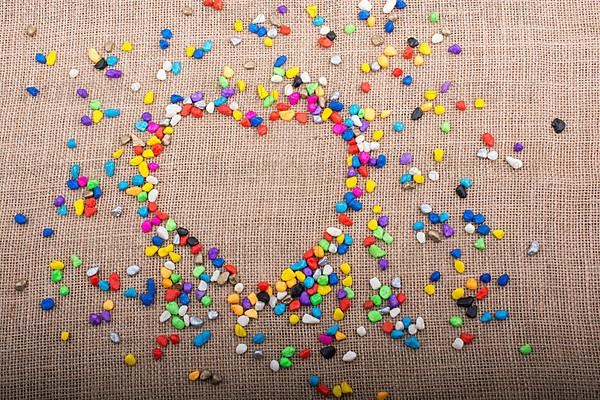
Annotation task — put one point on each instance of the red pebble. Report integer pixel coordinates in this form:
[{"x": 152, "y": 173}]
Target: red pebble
[
  {"x": 262, "y": 130},
  {"x": 387, "y": 327},
  {"x": 196, "y": 112},
  {"x": 312, "y": 290},
  {"x": 304, "y": 354},
  {"x": 401, "y": 298},
  {"x": 324, "y": 390},
  {"x": 308, "y": 254},
  {"x": 89, "y": 211},
  {"x": 174, "y": 338},
  {"x": 363, "y": 171},
  {"x": 152, "y": 207},
  {"x": 325, "y": 42},
  {"x": 196, "y": 249},
  {"x": 162, "y": 340},
  {"x": 368, "y": 304},
  {"x": 172, "y": 294},
  {"x": 274, "y": 116},
  {"x": 365, "y": 87},
  {"x": 183, "y": 240},
  {"x": 294, "y": 305},
  {"x": 94, "y": 280},
  {"x": 90, "y": 202},
  {"x": 157, "y": 353},
  {"x": 397, "y": 72},
  {"x": 369, "y": 240},
  {"x": 344, "y": 304},
  {"x": 218, "y": 5},
  {"x": 461, "y": 106},
  {"x": 138, "y": 150},
  {"x": 263, "y": 286},
  {"x": 467, "y": 337},
  {"x": 285, "y": 30},
  {"x": 408, "y": 53},
  {"x": 245, "y": 122},
  {"x": 345, "y": 220},
  {"x": 482, "y": 293},
  {"x": 488, "y": 139},
  {"x": 301, "y": 117},
  {"x": 114, "y": 281},
  {"x": 185, "y": 111},
  {"x": 336, "y": 118}
]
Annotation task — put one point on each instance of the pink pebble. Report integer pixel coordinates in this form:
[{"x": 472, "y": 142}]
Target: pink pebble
[
  {"x": 325, "y": 339},
  {"x": 364, "y": 157},
  {"x": 156, "y": 221},
  {"x": 152, "y": 127},
  {"x": 82, "y": 181},
  {"x": 338, "y": 129},
  {"x": 357, "y": 191},
  {"x": 312, "y": 99},
  {"x": 294, "y": 98},
  {"x": 152, "y": 166},
  {"x": 146, "y": 226},
  {"x": 312, "y": 107},
  {"x": 250, "y": 114}
]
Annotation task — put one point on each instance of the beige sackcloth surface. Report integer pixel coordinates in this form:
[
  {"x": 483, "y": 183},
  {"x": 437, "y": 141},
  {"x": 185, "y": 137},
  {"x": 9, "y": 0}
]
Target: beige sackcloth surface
[{"x": 265, "y": 200}]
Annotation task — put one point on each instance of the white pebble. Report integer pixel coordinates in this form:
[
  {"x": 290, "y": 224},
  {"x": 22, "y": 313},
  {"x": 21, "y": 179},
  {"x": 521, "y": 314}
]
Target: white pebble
[
  {"x": 414, "y": 171},
  {"x": 260, "y": 19},
  {"x": 434, "y": 176},
  {"x": 132, "y": 270},
  {"x": 243, "y": 320},
  {"x": 276, "y": 79},
  {"x": 470, "y": 228},
  {"x": 412, "y": 329},
  {"x": 458, "y": 344},
  {"x": 389, "y": 6},
  {"x": 167, "y": 66},
  {"x": 115, "y": 338},
  {"x": 161, "y": 75},
  {"x": 514, "y": 162},
  {"x": 153, "y": 195},
  {"x": 421, "y": 237},
  {"x": 73, "y": 73},
  {"x": 152, "y": 179},
  {"x": 182, "y": 310},
  {"x": 333, "y": 231},
  {"x": 493, "y": 155},
  {"x": 309, "y": 319},
  {"x": 420, "y": 323},
  {"x": 375, "y": 66},
  {"x": 366, "y": 5},
  {"x": 210, "y": 107},
  {"x": 171, "y": 110},
  {"x": 327, "y": 270},
  {"x": 394, "y": 312},
  {"x": 375, "y": 283},
  {"x": 135, "y": 86},
  {"x": 170, "y": 265},
  {"x": 238, "y": 288},
  {"x": 164, "y": 317},
  {"x": 349, "y": 356},
  {"x": 305, "y": 77},
  {"x": 336, "y": 59},
  {"x": 437, "y": 38},
  {"x": 425, "y": 208},
  {"x": 361, "y": 331},
  {"x": 274, "y": 365},
  {"x": 322, "y": 81},
  {"x": 202, "y": 285},
  {"x": 259, "y": 306},
  {"x": 241, "y": 348},
  {"x": 212, "y": 315},
  {"x": 272, "y": 33},
  {"x": 324, "y": 30},
  {"x": 399, "y": 326},
  {"x": 482, "y": 152},
  {"x": 235, "y": 40},
  {"x": 162, "y": 232},
  {"x": 92, "y": 271},
  {"x": 396, "y": 282}
]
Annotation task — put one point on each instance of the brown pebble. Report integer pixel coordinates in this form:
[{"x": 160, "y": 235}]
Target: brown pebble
[
  {"x": 393, "y": 17},
  {"x": 250, "y": 65},
  {"x": 446, "y": 32},
  {"x": 31, "y": 30},
  {"x": 216, "y": 379},
  {"x": 198, "y": 258},
  {"x": 125, "y": 138},
  {"x": 21, "y": 285},
  {"x": 109, "y": 46},
  {"x": 205, "y": 375},
  {"x": 408, "y": 186},
  {"x": 222, "y": 279},
  {"x": 166, "y": 140},
  {"x": 234, "y": 279},
  {"x": 434, "y": 235},
  {"x": 187, "y": 11},
  {"x": 136, "y": 141},
  {"x": 377, "y": 40},
  {"x": 274, "y": 20}
]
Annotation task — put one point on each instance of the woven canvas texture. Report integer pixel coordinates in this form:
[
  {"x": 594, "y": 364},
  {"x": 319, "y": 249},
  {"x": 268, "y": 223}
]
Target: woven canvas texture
[{"x": 265, "y": 200}]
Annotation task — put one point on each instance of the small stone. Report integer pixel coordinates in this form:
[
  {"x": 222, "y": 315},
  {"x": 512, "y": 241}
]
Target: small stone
[
  {"x": 336, "y": 59},
  {"x": 361, "y": 331},
  {"x": 196, "y": 322},
  {"x": 73, "y": 73},
  {"x": 258, "y": 354},
  {"x": 236, "y": 40},
  {"x": 161, "y": 75},
  {"x": 377, "y": 40},
  {"x": 525, "y": 349},
  {"x": 446, "y": 32},
  {"x": 425, "y": 208},
  {"x": 533, "y": 249},
  {"x": 274, "y": 20},
  {"x": 375, "y": 283},
  {"x": 132, "y": 270},
  {"x": 482, "y": 152},
  {"x": 437, "y": 38},
  {"x": 114, "y": 337},
  {"x": 165, "y": 316},
  {"x": 212, "y": 315},
  {"x": 92, "y": 271},
  {"x": 434, "y": 176},
  {"x": 421, "y": 237},
  {"x": 109, "y": 46},
  {"x": 492, "y": 155},
  {"x": 187, "y": 11},
  {"x": 274, "y": 365},
  {"x": 309, "y": 319},
  {"x": 117, "y": 211},
  {"x": 21, "y": 284},
  {"x": 434, "y": 235},
  {"x": 241, "y": 348},
  {"x": 349, "y": 356},
  {"x": 135, "y": 86},
  {"x": 461, "y": 191},
  {"x": 328, "y": 352},
  {"x": 470, "y": 228},
  {"x": 250, "y": 65},
  {"x": 458, "y": 344},
  {"x": 396, "y": 283},
  {"x": 420, "y": 323},
  {"x": 558, "y": 125},
  {"x": 205, "y": 375},
  {"x": 31, "y": 30},
  {"x": 514, "y": 162}
]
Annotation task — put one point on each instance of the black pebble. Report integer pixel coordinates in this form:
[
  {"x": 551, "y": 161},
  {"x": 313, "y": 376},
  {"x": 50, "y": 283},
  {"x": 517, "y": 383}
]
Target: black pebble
[
  {"x": 412, "y": 42},
  {"x": 297, "y": 81},
  {"x": 558, "y": 125},
  {"x": 263, "y": 296},
  {"x": 182, "y": 232},
  {"x": 328, "y": 351},
  {"x": 331, "y": 35},
  {"x": 461, "y": 191},
  {"x": 296, "y": 290},
  {"x": 101, "y": 64},
  {"x": 192, "y": 241},
  {"x": 417, "y": 114},
  {"x": 465, "y": 301},
  {"x": 472, "y": 311}
]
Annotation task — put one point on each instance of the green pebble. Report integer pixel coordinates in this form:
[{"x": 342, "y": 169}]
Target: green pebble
[
  {"x": 311, "y": 87},
  {"x": 142, "y": 197},
  {"x": 268, "y": 101},
  {"x": 285, "y": 362},
  {"x": 324, "y": 245},
  {"x": 223, "y": 82},
  {"x": 378, "y": 233},
  {"x": 374, "y": 316},
  {"x": 95, "y": 104},
  {"x": 206, "y": 301},
  {"x": 525, "y": 349},
  {"x": 64, "y": 290},
  {"x": 445, "y": 126},
  {"x": 349, "y": 293},
  {"x": 92, "y": 184},
  {"x": 316, "y": 299},
  {"x": 479, "y": 244},
  {"x": 376, "y": 299},
  {"x": 171, "y": 225},
  {"x": 385, "y": 292},
  {"x": 278, "y": 71},
  {"x": 456, "y": 321},
  {"x": 175, "y": 278},
  {"x": 349, "y": 29},
  {"x": 376, "y": 251},
  {"x": 434, "y": 17},
  {"x": 361, "y": 113},
  {"x": 323, "y": 280},
  {"x": 57, "y": 275},
  {"x": 288, "y": 352},
  {"x": 172, "y": 307},
  {"x": 198, "y": 270},
  {"x": 177, "y": 323},
  {"x": 387, "y": 238},
  {"x": 76, "y": 261}
]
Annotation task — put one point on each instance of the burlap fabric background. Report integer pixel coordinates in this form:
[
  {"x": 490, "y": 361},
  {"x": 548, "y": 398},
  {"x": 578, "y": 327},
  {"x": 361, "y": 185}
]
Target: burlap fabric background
[{"x": 265, "y": 200}]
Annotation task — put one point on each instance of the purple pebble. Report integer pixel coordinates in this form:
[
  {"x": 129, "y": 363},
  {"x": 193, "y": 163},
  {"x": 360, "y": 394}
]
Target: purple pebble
[
  {"x": 393, "y": 301},
  {"x": 406, "y": 158},
  {"x": 455, "y": 49},
  {"x": 341, "y": 294},
  {"x": 60, "y": 200},
  {"x": 246, "y": 304},
  {"x": 307, "y": 271},
  {"x": 199, "y": 294},
  {"x": 282, "y": 9},
  {"x": 447, "y": 230},
  {"x": 351, "y": 172},
  {"x": 81, "y": 92},
  {"x": 146, "y": 116},
  {"x": 197, "y": 96},
  {"x": 445, "y": 87},
  {"x": 383, "y": 264},
  {"x": 187, "y": 287},
  {"x": 382, "y": 221},
  {"x": 95, "y": 319},
  {"x": 106, "y": 316},
  {"x": 113, "y": 73},
  {"x": 518, "y": 147},
  {"x": 304, "y": 298},
  {"x": 212, "y": 253},
  {"x": 85, "y": 120},
  {"x": 227, "y": 92}
]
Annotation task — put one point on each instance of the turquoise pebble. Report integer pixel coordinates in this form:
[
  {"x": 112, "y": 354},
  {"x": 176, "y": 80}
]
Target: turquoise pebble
[
  {"x": 123, "y": 185},
  {"x": 109, "y": 168},
  {"x": 75, "y": 170},
  {"x": 318, "y": 21},
  {"x": 332, "y": 330},
  {"x": 412, "y": 342},
  {"x": 396, "y": 334},
  {"x": 176, "y": 69},
  {"x": 316, "y": 312},
  {"x": 130, "y": 292},
  {"x": 418, "y": 226},
  {"x": 398, "y": 126},
  {"x": 485, "y": 317},
  {"x": 71, "y": 143},
  {"x": 466, "y": 182},
  {"x": 103, "y": 285},
  {"x": 313, "y": 380},
  {"x": 202, "y": 338},
  {"x": 279, "y": 309},
  {"x": 141, "y": 125},
  {"x": 112, "y": 112},
  {"x": 111, "y": 60},
  {"x": 259, "y": 338},
  {"x": 207, "y": 46},
  {"x": 501, "y": 315},
  {"x": 62, "y": 210}
]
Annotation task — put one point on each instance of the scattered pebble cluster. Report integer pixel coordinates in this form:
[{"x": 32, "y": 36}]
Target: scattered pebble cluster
[{"x": 299, "y": 292}]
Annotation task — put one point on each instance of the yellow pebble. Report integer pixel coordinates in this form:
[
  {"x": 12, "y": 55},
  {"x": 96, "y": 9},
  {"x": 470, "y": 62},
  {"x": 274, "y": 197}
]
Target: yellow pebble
[
  {"x": 418, "y": 178},
  {"x": 418, "y": 60},
  {"x": 300, "y": 276},
  {"x": 390, "y": 51},
  {"x": 383, "y": 61},
  {"x": 370, "y": 185},
  {"x": 337, "y": 389},
  {"x": 241, "y": 85},
  {"x": 130, "y": 360},
  {"x": 294, "y": 319},
  {"x": 153, "y": 140},
  {"x": 385, "y": 114},
  {"x": 459, "y": 266},
  {"x": 439, "y": 110},
  {"x": 237, "y": 115},
  {"x": 377, "y": 209},
  {"x": 118, "y": 153},
  {"x": 349, "y": 161},
  {"x": 319, "y": 91},
  {"x": 262, "y": 92},
  {"x": 426, "y": 107},
  {"x": 268, "y": 42},
  {"x": 57, "y": 264},
  {"x": 319, "y": 252},
  {"x": 382, "y": 396},
  {"x": 64, "y": 336},
  {"x": 127, "y": 46},
  {"x": 498, "y": 233},
  {"x": 324, "y": 290},
  {"x": 351, "y": 182},
  {"x": 240, "y": 331},
  {"x": 97, "y": 116},
  {"x": 346, "y": 388},
  {"x": 369, "y": 114},
  {"x": 479, "y": 103},
  {"x": 143, "y": 169},
  {"x": 151, "y": 250},
  {"x": 338, "y": 314},
  {"x": 371, "y": 20},
  {"x": 430, "y": 95},
  {"x": 135, "y": 161},
  {"x": 133, "y": 191},
  {"x": 148, "y": 153},
  {"x": 165, "y": 272},
  {"x": 339, "y": 336},
  {"x": 429, "y": 289},
  {"x": 168, "y": 130},
  {"x": 458, "y": 293},
  {"x": 238, "y": 26},
  {"x": 312, "y": 10},
  {"x": 189, "y": 51},
  {"x": 51, "y": 58},
  {"x": 79, "y": 206},
  {"x": 93, "y": 55},
  {"x": 438, "y": 155},
  {"x": 227, "y": 72},
  {"x": 287, "y": 115},
  {"x": 425, "y": 49},
  {"x": 108, "y": 305},
  {"x": 377, "y": 135},
  {"x": 471, "y": 284},
  {"x": 275, "y": 94},
  {"x": 149, "y": 98},
  {"x": 175, "y": 257},
  {"x": 326, "y": 114},
  {"x": 237, "y": 309},
  {"x": 194, "y": 375},
  {"x": 340, "y": 239},
  {"x": 366, "y": 68},
  {"x": 167, "y": 283},
  {"x": 372, "y": 224},
  {"x": 292, "y": 72},
  {"x": 345, "y": 268},
  {"x": 347, "y": 281},
  {"x": 287, "y": 274},
  {"x": 280, "y": 286}
]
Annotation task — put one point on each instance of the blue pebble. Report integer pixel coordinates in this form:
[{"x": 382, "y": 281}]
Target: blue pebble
[
  {"x": 147, "y": 299},
  {"x": 313, "y": 380},
  {"x": 130, "y": 292},
  {"x": 176, "y": 98},
  {"x": 47, "y": 232},
  {"x": 21, "y": 219},
  {"x": 72, "y": 184},
  {"x": 355, "y": 205},
  {"x": 456, "y": 253},
  {"x": 166, "y": 33},
  {"x": 109, "y": 168},
  {"x": 112, "y": 112},
  {"x": 218, "y": 262},
  {"x": 363, "y": 15},
  {"x": 485, "y": 278},
  {"x": 336, "y": 106},
  {"x": 466, "y": 182},
  {"x": 112, "y": 61},
  {"x": 479, "y": 218},
  {"x": 202, "y": 338},
  {"x": 468, "y": 216},
  {"x": 348, "y": 135},
  {"x": 71, "y": 143},
  {"x": 39, "y": 57},
  {"x": 333, "y": 278},
  {"x": 47, "y": 304},
  {"x": 342, "y": 249},
  {"x": 341, "y": 207},
  {"x": 62, "y": 210},
  {"x": 151, "y": 286},
  {"x": 381, "y": 161},
  {"x": 444, "y": 217},
  {"x": 262, "y": 31},
  {"x": 280, "y": 61},
  {"x": 435, "y": 276},
  {"x": 32, "y": 90},
  {"x": 333, "y": 329},
  {"x": 501, "y": 315},
  {"x": 259, "y": 338},
  {"x": 143, "y": 212},
  {"x": 316, "y": 312},
  {"x": 356, "y": 162},
  {"x": 103, "y": 285},
  {"x": 137, "y": 180},
  {"x": 503, "y": 280},
  {"x": 412, "y": 342},
  {"x": 205, "y": 278},
  {"x": 396, "y": 334},
  {"x": 407, "y": 80},
  {"x": 349, "y": 196},
  {"x": 198, "y": 54},
  {"x": 157, "y": 241},
  {"x": 398, "y": 126},
  {"x": 176, "y": 69},
  {"x": 483, "y": 230},
  {"x": 97, "y": 192},
  {"x": 318, "y": 21},
  {"x": 256, "y": 121},
  {"x": 389, "y": 26},
  {"x": 279, "y": 309},
  {"x": 400, "y": 4},
  {"x": 184, "y": 299},
  {"x": 486, "y": 317},
  {"x": 123, "y": 185},
  {"x": 406, "y": 321},
  {"x": 418, "y": 226},
  {"x": 354, "y": 110},
  {"x": 253, "y": 28},
  {"x": 433, "y": 218}
]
